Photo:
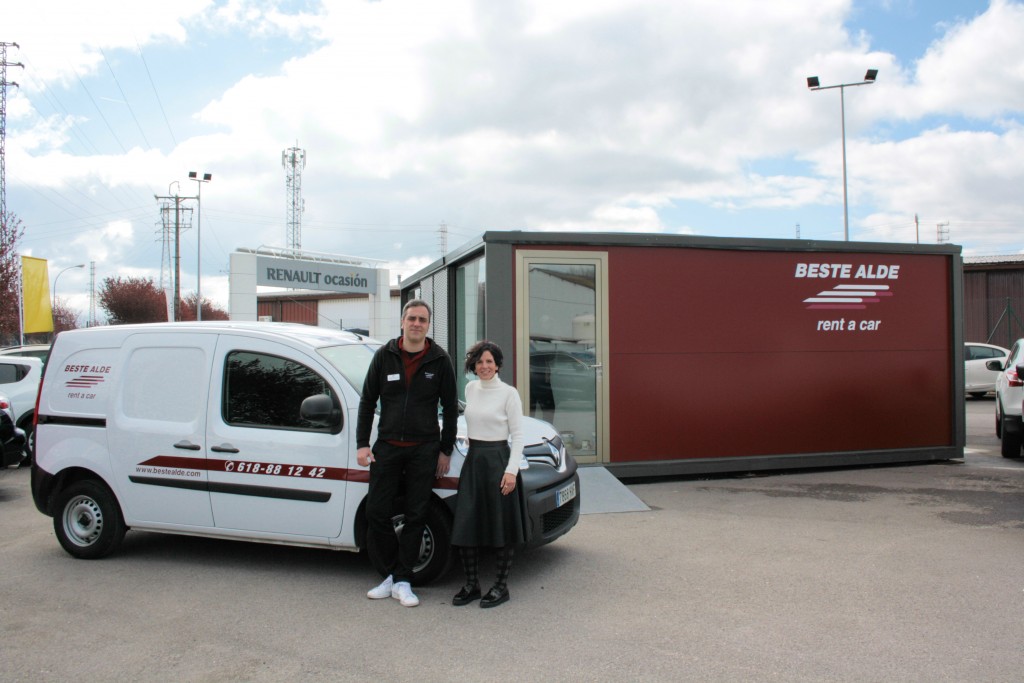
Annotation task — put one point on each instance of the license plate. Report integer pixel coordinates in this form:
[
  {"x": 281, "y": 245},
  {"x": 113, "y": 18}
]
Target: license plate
[{"x": 563, "y": 496}]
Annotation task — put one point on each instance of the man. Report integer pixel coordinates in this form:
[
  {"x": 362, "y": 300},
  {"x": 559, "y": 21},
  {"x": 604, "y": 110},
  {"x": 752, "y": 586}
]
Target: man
[{"x": 410, "y": 375}]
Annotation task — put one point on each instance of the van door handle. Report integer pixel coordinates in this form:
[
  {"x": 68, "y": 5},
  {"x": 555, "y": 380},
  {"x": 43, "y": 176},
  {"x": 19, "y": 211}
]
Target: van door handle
[
  {"x": 188, "y": 445},
  {"x": 224, "y": 448}
]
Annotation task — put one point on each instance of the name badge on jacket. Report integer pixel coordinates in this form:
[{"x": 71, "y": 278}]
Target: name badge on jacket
[{"x": 394, "y": 378}]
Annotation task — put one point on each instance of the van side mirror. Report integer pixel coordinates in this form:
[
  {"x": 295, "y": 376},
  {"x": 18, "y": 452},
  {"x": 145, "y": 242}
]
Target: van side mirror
[
  {"x": 321, "y": 411},
  {"x": 994, "y": 365}
]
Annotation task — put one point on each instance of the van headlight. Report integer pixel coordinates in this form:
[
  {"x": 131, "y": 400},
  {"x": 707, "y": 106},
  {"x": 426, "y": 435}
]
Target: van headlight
[{"x": 462, "y": 446}]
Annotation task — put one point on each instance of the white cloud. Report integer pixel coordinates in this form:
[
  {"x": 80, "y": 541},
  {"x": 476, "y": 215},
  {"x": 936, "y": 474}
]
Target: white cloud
[
  {"x": 977, "y": 69},
  {"x": 598, "y": 115}
]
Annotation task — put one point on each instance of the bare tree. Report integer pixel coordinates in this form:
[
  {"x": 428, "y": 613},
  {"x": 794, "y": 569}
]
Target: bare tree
[{"x": 11, "y": 231}]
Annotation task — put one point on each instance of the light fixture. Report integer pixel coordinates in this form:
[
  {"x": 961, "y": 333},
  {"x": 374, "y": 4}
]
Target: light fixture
[
  {"x": 814, "y": 84},
  {"x": 53, "y": 304}
]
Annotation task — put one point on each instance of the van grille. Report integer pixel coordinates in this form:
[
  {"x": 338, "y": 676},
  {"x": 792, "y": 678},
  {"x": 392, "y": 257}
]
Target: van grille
[{"x": 559, "y": 516}]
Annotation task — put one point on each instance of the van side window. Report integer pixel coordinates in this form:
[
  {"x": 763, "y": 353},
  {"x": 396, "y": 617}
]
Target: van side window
[{"x": 261, "y": 390}]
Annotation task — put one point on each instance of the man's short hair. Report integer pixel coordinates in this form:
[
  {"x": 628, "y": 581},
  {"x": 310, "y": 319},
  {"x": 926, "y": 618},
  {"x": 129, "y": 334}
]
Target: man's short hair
[{"x": 414, "y": 303}]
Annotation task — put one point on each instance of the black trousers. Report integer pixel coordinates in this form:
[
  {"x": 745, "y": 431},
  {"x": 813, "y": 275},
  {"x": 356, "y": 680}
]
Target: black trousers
[{"x": 411, "y": 470}]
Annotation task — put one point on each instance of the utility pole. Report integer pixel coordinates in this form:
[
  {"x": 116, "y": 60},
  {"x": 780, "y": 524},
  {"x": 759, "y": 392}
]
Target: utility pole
[
  {"x": 942, "y": 232},
  {"x": 176, "y": 307},
  {"x": 917, "y": 229},
  {"x": 442, "y": 238}
]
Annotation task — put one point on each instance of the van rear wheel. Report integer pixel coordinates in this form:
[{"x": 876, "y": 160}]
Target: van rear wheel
[
  {"x": 87, "y": 520},
  {"x": 435, "y": 548}
]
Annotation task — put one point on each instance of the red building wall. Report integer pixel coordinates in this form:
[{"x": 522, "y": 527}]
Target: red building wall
[
  {"x": 716, "y": 353},
  {"x": 282, "y": 311}
]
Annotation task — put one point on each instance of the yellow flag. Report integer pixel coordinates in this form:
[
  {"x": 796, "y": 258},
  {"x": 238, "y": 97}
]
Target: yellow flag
[{"x": 35, "y": 295}]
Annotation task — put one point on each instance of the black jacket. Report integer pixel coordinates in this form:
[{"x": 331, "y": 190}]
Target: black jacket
[{"x": 408, "y": 410}]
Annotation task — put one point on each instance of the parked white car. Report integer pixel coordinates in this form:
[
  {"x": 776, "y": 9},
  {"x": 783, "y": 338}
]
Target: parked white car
[
  {"x": 19, "y": 382},
  {"x": 978, "y": 378},
  {"x": 40, "y": 351},
  {"x": 1009, "y": 394}
]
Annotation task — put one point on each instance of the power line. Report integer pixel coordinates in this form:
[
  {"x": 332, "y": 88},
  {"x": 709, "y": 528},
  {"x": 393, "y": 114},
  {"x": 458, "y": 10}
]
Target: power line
[
  {"x": 127, "y": 102},
  {"x": 156, "y": 94},
  {"x": 55, "y": 103},
  {"x": 100, "y": 112}
]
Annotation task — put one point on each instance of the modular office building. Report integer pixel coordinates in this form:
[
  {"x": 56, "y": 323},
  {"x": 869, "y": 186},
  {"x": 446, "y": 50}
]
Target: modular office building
[{"x": 661, "y": 354}]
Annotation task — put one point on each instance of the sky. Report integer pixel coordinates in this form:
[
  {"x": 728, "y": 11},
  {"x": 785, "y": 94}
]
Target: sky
[{"x": 425, "y": 124}]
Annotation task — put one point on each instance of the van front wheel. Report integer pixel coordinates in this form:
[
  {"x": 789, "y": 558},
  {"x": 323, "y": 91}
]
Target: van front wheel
[{"x": 87, "y": 520}]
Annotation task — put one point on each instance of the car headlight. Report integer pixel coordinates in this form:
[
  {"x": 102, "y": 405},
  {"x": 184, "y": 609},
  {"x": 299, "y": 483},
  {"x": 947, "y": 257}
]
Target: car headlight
[{"x": 462, "y": 446}]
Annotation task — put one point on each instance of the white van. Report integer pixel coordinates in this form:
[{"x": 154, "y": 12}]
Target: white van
[{"x": 238, "y": 431}]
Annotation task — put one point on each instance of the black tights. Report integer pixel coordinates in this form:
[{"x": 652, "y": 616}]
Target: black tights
[{"x": 471, "y": 562}]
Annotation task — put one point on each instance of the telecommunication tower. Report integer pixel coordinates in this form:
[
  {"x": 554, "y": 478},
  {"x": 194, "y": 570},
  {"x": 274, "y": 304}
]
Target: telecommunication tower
[
  {"x": 3, "y": 124},
  {"x": 294, "y": 160}
]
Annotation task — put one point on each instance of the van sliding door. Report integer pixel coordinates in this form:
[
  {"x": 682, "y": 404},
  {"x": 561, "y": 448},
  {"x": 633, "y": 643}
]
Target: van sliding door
[{"x": 157, "y": 428}]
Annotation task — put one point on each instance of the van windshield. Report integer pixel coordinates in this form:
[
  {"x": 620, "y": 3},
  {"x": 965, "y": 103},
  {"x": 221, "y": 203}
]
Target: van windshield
[{"x": 351, "y": 360}]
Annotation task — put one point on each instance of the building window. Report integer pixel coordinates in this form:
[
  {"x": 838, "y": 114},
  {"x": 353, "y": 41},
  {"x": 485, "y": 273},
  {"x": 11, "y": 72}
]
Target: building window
[{"x": 470, "y": 287}]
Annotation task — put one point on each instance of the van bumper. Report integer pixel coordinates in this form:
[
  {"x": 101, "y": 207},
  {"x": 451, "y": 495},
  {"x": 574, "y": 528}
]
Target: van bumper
[
  {"x": 42, "y": 488},
  {"x": 547, "y": 517}
]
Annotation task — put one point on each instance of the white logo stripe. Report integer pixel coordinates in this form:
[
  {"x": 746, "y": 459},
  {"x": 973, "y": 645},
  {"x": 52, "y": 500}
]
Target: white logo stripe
[{"x": 862, "y": 286}]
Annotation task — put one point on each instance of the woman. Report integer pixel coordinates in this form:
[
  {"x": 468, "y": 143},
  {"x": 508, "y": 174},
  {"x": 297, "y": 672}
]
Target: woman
[{"x": 487, "y": 512}]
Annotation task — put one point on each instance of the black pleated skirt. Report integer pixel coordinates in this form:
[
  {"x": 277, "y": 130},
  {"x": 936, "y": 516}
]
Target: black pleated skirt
[{"x": 483, "y": 517}]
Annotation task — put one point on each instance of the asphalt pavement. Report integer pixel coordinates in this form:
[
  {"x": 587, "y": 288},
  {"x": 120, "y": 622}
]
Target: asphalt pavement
[{"x": 896, "y": 573}]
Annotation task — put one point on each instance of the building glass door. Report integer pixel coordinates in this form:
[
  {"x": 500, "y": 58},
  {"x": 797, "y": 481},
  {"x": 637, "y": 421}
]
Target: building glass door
[{"x": 561, "y": 350}]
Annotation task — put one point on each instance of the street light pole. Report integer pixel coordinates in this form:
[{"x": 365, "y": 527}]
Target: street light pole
[
  {"x": 207, "y": 177},
  {"x": 53, "y": 303},
  {"x": 813, "y": 84}
]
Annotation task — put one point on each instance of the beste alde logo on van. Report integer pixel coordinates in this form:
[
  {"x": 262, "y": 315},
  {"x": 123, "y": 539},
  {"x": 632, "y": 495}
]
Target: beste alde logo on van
[{"x": 89, "y": 375}]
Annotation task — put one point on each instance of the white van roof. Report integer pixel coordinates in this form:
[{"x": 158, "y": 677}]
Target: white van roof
[{"x": 304, "y": 334}]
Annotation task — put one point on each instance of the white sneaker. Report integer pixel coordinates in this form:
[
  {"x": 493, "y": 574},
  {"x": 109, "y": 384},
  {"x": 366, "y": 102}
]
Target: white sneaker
[
  {"x": 381, "y": 591},
  {"x": 402, "y": 592}
]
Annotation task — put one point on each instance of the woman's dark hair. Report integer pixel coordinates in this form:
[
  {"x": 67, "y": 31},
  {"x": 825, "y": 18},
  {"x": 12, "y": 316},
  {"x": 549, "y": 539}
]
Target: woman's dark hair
[{"x": 477, "y": 350}]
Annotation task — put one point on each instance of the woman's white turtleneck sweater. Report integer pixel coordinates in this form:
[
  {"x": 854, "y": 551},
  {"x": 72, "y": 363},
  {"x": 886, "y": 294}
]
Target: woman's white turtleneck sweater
[{"x": 494, "y": 413}]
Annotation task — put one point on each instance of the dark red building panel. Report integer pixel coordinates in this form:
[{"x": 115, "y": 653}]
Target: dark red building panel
[
  {"x": 302, "y": 311},
  {"x": 725, "y": 353}
]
